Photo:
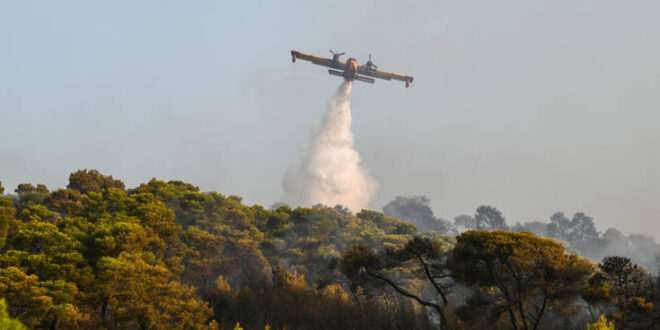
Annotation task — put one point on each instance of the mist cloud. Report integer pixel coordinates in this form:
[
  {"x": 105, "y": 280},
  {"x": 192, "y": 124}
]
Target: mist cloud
[{"x": 330, "y": 171}]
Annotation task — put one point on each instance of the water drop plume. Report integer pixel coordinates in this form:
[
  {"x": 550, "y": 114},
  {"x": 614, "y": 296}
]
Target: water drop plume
[{"x": 330, "y": 171}]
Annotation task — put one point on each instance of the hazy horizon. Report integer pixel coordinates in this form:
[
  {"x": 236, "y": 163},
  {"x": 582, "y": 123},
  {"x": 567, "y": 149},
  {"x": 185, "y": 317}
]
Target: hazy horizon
[{"x": 534, "y": 108}]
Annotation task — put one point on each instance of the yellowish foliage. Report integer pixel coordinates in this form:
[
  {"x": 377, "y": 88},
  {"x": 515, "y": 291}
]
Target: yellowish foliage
[
  {"x": 335, "y": 290},
  {"x": 6, "y": 322},
  {"x": 222, "y": 285},
  {"x": 601, "y": 324}
]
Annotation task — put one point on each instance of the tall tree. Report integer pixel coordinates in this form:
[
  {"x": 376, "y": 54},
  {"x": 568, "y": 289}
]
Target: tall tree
[
  {"x": 420, "y": 257},
  {"x": 488, "y": 217},
  {"x": 138, "y": 292},
  {"x": 92, "y": 181},
  {"x": 519, "y": 274},
  {"x": 629, "y": 287},
  {"x": 7, "y": 213}
]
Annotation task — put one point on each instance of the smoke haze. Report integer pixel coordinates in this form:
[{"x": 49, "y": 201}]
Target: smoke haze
[{"x": 330, "y": 171}]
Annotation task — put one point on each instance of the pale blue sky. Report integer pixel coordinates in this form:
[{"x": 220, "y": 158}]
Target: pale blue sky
[{"x": 531, "y": 106}]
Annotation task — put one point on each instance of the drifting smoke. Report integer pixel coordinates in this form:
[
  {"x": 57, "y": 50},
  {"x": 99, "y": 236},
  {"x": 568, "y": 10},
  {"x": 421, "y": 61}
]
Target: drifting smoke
[
  {"x": 578, "y": 233},
  {"x": 330, "y": 172}
]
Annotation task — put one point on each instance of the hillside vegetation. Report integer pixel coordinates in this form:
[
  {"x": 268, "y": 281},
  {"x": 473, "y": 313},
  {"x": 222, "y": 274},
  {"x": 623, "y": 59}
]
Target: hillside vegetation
[{"x": 165, "y": 255}]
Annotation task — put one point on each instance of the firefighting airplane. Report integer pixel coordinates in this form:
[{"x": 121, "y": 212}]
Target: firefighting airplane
[{"x": 350, "y": 69}]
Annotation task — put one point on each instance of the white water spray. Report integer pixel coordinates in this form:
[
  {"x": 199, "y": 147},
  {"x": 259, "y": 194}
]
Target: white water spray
[{"x": 330, "y": 172}]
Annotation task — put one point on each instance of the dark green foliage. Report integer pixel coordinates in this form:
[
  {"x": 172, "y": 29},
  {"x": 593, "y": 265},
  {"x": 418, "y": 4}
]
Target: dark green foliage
[
  {"x": 422, "y": 258},
  {"x": 518, "y": 277},
  {"x": 166, "y": 255},
  {"x": 7, "y": 213},
  {"x": 87, "y": 181},
  {"x": 627, "y": 287},
  {"x": 96, "y": 255}
]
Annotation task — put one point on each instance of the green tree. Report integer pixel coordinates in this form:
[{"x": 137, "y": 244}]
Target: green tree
[
  {"x": 40, "y": 303},
  {"x": 7, "y": 213},
  {"x": 92, "y": 181},
  {"x": 488, "y": 217},
  {"x": 6, "y": 322},
  {"x": 204, "y": 259},
  {"x": 519, "y": 274},
  {"x": 139, "y": 292},
  {"x": 420, "y": 256},
  {"x": 67, "y": 202},
  {"x": 96, "y": 255},
  {"x": 629, "y": 286},
  {"x": 29, "y": 194}
]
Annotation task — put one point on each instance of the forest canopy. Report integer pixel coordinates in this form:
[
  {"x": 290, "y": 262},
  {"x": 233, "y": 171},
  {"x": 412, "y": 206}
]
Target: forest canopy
[{"x": 165, "y": 255}]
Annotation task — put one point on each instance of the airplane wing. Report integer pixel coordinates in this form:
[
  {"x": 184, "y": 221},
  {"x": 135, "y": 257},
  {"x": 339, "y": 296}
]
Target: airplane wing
[
  {"x": 385, "y": 75},
  {"x": 317, "y": 60}
]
